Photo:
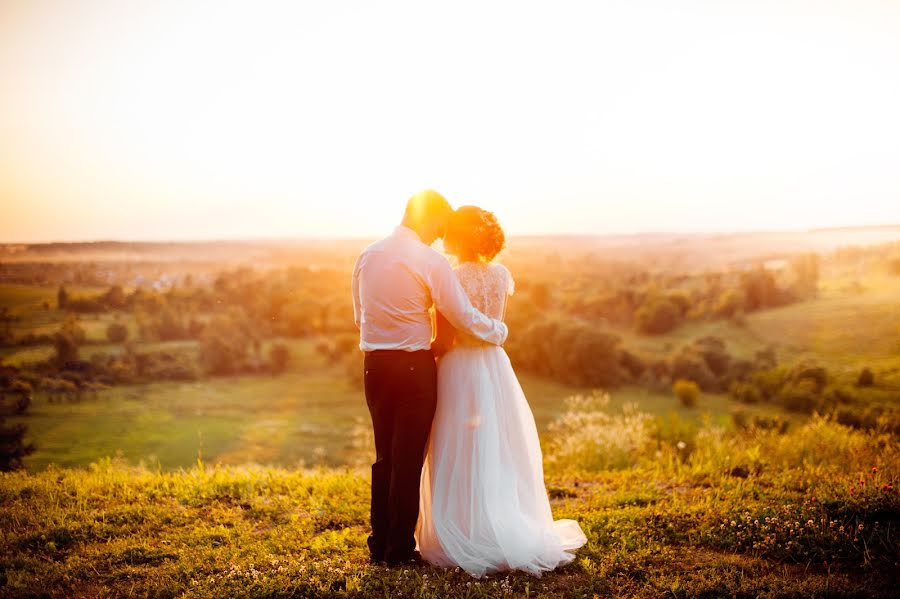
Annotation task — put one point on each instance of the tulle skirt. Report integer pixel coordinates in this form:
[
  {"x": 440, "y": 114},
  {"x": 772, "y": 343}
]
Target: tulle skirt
[{"x": 483, "y": 503}]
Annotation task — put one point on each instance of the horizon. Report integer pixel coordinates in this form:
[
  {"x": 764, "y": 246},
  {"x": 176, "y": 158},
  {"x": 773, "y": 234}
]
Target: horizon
[
  {"x": 171, "y": 120},
  {"x": 550, "y": 235}
]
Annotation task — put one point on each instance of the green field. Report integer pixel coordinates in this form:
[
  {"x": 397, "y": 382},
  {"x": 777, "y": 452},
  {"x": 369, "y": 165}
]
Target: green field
[{"x": 313, "y": 414}]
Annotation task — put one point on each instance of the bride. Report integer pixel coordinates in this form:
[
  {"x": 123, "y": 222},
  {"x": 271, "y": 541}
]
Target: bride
[{"x": 483, "y": 505}]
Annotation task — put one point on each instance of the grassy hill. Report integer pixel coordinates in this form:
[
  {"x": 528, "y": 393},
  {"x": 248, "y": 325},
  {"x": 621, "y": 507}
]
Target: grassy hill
[
  {"x": 849, "y": 324},
  {"x": 814, "y": 512}
]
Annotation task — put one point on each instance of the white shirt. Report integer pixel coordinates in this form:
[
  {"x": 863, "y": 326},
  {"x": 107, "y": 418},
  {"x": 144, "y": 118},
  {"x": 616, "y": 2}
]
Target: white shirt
[{"x": 396, "y": 281}]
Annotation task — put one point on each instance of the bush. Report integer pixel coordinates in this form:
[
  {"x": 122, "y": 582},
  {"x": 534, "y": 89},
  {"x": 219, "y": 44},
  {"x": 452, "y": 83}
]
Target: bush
[
  {"x": 866, "y": 378},
  {"x": 687, "y": 392},
  {"x": 745, "y": 392},
  {"x": 117, "y": 333},
  {"x": 224, "y": 347},
  {"x": 689, "y": 366},
  {"x": 657, "y": 316},
  {"x": 279, "y": 356},
  {"x": 730, "y": 304},
  {"x": 714, "y": 353},
  {"x": 800, "y": 396}
]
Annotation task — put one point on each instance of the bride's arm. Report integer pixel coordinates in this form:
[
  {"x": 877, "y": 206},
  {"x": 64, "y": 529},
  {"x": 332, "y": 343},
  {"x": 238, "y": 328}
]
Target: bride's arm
[{"x": 444, "y": 335}]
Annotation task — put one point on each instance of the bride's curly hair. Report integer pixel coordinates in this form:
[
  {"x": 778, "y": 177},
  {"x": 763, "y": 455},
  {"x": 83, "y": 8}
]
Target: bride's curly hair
[{"x": 472, "y": 231}]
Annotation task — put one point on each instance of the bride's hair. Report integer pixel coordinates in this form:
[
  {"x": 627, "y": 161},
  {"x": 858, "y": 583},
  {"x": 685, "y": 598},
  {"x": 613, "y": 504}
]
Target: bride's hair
[{"x": 473, "y": 232}]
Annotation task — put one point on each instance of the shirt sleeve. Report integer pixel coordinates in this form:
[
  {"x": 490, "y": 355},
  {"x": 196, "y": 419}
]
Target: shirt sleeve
[
  {"x": 451, "y": 300},
  {"x": 357, "y": 308}
]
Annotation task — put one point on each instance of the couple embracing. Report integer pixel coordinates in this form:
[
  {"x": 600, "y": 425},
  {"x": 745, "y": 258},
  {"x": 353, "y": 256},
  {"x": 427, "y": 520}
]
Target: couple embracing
[{"x": 458, "y": 472}]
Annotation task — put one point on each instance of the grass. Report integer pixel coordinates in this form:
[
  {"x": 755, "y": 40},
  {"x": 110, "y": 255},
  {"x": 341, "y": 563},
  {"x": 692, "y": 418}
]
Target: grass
[
  {"x": 311, "y": 414},
  {"x": 845, "y": 328},
  {"x": 668, "y": 524},
  {"x": 675, "y": 503}
]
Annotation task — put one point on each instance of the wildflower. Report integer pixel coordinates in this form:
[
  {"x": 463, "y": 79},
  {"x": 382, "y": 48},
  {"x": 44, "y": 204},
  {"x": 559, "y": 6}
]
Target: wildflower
[
  {"x": 874, "y": 470},
  {"x": 852, "y": 490},
  {"x": 809, "y": 522},
  {"x": 681, "y": 445},
  {"x": 733, "y": 524}
]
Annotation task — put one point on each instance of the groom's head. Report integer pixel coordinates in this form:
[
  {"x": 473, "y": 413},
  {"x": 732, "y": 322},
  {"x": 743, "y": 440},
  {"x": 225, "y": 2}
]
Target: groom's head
[{"x": 427, "y": 213}]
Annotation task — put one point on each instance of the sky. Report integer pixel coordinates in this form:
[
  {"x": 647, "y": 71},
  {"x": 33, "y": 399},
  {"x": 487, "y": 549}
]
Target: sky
[{"x": 212, "y": 120}]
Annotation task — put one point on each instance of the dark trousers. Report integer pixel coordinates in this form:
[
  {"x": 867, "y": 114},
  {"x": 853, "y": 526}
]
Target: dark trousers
[{"x": 401, "y": 392}]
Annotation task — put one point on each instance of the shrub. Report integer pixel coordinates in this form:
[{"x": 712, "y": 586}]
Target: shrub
[
  {"x": 588, "y": 437},
  {"x": 117, "y": 332},
  {"x": 687, "y": 392},
  {"x": 85, "y": 305}
]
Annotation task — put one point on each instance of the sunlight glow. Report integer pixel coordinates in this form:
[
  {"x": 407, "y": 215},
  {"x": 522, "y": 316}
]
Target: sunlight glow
[{"x": 208, "y": 120}]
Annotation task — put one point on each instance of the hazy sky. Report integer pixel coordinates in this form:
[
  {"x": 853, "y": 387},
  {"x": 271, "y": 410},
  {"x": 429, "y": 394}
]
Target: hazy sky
[{"x": 188, "y": 119}]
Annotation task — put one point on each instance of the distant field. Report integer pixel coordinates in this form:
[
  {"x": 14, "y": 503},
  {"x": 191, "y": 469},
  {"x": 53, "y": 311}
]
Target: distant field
[
  {"x": 844, "y": 328},
  {"x": 307, "y": 416},
  {"x": 310, "y": 413}
]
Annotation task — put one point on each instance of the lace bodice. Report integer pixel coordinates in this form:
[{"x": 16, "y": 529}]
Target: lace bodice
[{"x": 487, "y": 286}]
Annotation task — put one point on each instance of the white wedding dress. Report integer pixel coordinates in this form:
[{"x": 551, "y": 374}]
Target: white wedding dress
[{"x": 483, "y": 503}]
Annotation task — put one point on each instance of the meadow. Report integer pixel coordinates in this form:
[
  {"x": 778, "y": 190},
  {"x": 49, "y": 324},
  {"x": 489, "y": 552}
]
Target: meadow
[
  {"x": 159, "y": 473},
  {"x": 813, "y": 513}
]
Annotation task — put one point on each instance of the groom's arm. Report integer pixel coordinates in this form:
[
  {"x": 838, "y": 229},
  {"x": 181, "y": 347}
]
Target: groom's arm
[{"x": 451, "y": 300}]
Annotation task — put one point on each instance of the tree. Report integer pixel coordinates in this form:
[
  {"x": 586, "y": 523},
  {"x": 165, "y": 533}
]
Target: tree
[
  {"x": 23, "y": 390},
  {"x": 66, "y": 348},
  {"x": 12, "y": 446},
  {"x": 224, "y": 346},
  {"x": 62, "y": 298},
  {"x": 115, "y": 297},
  {"x": 866, "y": 378},
  {"x": 6, "y": 320},
  {"x": 760, "y": 289},
  {"x": 806, "y": 274},
  {"x": 657, "y": 316}
]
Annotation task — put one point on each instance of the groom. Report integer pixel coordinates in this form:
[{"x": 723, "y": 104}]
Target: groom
[{"x": 395, "y": 283}]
